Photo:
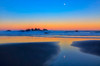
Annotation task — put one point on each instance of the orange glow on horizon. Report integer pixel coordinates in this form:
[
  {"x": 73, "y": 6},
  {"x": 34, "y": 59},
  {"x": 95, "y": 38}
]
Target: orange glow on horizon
[{"x": 52, "y": 26}]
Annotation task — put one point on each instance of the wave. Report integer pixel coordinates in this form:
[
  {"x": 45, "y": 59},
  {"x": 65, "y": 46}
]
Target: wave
[{"x": 60, "y": 34}]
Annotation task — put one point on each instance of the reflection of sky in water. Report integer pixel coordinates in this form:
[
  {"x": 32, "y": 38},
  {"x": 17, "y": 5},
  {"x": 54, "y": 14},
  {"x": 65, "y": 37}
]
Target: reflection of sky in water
[{"x": 69, "y": 55}]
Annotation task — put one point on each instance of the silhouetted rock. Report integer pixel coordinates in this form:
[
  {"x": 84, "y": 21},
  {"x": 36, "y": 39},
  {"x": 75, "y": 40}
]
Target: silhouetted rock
[
  {"x": 32, "y": 29},
  {"x": 36, "y": 29},
  {"x": 76, "y": 30},
  {"x": 28, "y": 30},
  {"x": 45, "y": 30},
  {"x": 8, "y": 30}
]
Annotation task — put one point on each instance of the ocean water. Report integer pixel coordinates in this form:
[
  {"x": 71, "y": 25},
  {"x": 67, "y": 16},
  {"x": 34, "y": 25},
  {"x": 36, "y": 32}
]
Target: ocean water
[
  {"x": 49, "y": 51},
  {"x": 50, "y": 33}
]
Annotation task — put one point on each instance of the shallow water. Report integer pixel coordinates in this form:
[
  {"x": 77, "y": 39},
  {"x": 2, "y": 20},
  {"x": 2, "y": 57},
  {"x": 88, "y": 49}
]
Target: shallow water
[{"x": 67, "y": 56}]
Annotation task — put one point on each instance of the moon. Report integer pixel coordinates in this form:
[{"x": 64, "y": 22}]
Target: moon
[{"x": 64, "y": 4}]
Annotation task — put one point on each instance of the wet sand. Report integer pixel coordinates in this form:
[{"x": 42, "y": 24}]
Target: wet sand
[
  {"x": 43, "y": 51},
  {"x": 28, "y": 54},
  {"x": 91, "y": 46}
]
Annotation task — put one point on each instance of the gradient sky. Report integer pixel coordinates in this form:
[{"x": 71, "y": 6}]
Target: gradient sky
[{"x": 50, "y": 14}]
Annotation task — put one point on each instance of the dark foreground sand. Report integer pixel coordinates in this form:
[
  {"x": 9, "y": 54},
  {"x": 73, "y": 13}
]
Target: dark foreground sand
[
  {"x": 91, "y": 47},
  {"x": 28, "y": 54}
]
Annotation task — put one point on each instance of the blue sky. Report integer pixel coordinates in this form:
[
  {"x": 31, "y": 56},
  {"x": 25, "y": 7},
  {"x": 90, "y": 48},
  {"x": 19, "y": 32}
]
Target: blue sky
[
  {"x": 45, "y": 10},
  {"x": 45, "y": 6}
]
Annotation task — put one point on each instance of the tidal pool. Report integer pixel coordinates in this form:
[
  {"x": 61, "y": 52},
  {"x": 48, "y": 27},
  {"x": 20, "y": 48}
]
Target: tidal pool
[{"x": 49, "y": 51}]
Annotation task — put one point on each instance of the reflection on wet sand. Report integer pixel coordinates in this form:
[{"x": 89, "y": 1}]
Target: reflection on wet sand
[
  {"x": 28, "y": 54},
  {"x": 91, "y": 47}
]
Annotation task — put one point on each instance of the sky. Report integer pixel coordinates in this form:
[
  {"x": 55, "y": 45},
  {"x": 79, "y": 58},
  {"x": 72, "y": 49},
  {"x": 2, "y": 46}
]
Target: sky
[{"x": 50, "y": 14}]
